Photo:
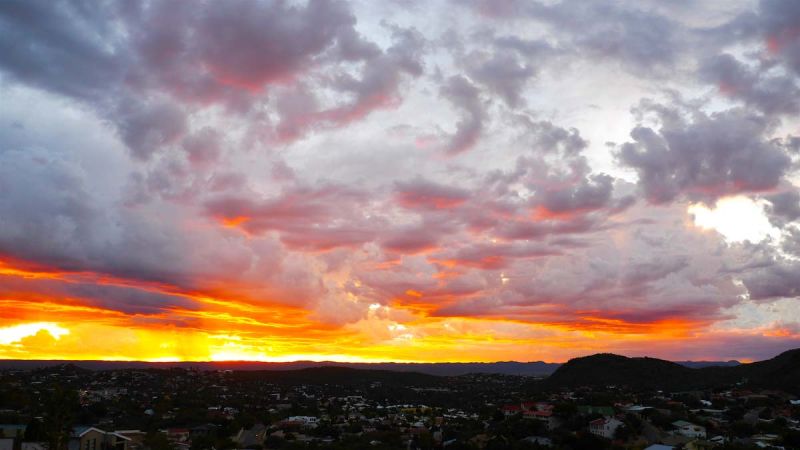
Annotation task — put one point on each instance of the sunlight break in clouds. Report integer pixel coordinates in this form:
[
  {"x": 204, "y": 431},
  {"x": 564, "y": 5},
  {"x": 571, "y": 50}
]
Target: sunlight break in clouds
[
  {"x": 15, "y": 333},
  {"x": 738, "y": 219},
  {"x": 411, "y": 181}
]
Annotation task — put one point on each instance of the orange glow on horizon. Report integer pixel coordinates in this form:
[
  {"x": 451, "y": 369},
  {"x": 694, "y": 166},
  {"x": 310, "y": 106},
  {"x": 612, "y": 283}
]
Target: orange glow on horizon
[{"x": 232, "y": 327}]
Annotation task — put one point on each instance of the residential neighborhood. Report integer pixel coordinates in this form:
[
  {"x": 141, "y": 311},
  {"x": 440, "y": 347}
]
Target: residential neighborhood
[{"x": 69, "y": 408}]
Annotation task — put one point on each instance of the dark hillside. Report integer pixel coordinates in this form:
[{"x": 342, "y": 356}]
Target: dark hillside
[{"x": 781, "y": 372}]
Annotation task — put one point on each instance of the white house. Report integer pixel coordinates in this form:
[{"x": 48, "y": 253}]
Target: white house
[
  {"x": 604, "y": 427},
  {"x": 688, "y": 429}
]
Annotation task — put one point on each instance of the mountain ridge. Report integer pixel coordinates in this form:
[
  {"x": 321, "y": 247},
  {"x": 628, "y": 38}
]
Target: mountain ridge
[{"x": 532, "y": 368}]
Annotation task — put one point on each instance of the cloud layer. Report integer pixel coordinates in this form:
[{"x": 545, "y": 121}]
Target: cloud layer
[{"x": 279, "y": 180}]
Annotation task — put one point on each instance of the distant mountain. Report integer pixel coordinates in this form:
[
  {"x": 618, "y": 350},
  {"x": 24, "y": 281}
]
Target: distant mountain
[
  {"x": 538, "y": 368},
  {"x": 340, "y": 376},
  {"x": 701, "y": 364},
  {"x": 782, "y": 372}
]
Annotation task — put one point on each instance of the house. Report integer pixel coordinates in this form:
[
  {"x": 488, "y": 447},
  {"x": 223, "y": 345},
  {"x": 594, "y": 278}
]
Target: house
[
  {"x": 136, "y": 438},
  {"x": 304, "y": 421},
  {"x": 91, "y": 438},
  {"x": 604, "y": 427},
  {"x": 688, "y": 429}
]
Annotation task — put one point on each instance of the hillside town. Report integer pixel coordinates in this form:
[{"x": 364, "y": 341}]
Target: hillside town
[{"x": 70, "y": 408}]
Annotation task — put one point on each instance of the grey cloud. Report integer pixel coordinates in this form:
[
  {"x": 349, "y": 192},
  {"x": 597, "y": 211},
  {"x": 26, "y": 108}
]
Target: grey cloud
[
  {"x": 591, "y": 193},
  {"x": 777, "y": 22},
  {"x": 60, "y": 46},
  {"x": 549, "y": 137},
  {"x": 784, "y": 206},
  {"x": 466, "y": 97},
  {"x": 643, "y": 40},
  {"x": 202, "y": 147},
  {"x": 502, "y": 72},
  {"x": 426, "y": 194},
  {"x": 647, "y": 273},
  {"x": 45, "y": 211},
  {"x": 704, "y": 157},
  {"x": 130, "y": 62},
  {"x": 769, "y": 93},
  {"x": 236, "y": 40},
  {"x": 779, "y": 279},
  {"x": 146, "y": 127}
]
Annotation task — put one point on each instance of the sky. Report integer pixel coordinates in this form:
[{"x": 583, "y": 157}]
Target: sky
[{"x": 465, "y": 180}]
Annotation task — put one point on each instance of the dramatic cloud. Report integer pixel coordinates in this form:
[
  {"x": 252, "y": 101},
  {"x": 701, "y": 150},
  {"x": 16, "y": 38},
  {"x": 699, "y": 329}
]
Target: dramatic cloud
[{"x": 462, "y": 180}]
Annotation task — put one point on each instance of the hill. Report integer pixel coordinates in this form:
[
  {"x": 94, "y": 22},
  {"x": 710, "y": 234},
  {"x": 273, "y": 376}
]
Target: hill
[{"x": 781, "y": 372}]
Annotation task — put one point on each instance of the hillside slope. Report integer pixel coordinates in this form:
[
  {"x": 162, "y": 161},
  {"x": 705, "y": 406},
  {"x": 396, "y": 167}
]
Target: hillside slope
[{"x": 781, "y": 372}]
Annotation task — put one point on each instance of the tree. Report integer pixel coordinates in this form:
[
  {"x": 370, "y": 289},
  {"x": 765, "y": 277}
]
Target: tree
[
  {"x": 35, "y": 432},
  {"x": 157, "y": 441},
  {"x": 59, "y": 415}
]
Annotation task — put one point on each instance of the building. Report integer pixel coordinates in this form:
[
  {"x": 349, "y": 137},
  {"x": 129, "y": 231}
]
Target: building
[
  {"x": 604, "y": 427},
  {"x": 688, "y": 429},
  {"x": 91, "y": 438}
]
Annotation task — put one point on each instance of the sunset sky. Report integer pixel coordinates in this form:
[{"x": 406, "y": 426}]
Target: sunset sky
[{"x": 399, "y": 180}]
